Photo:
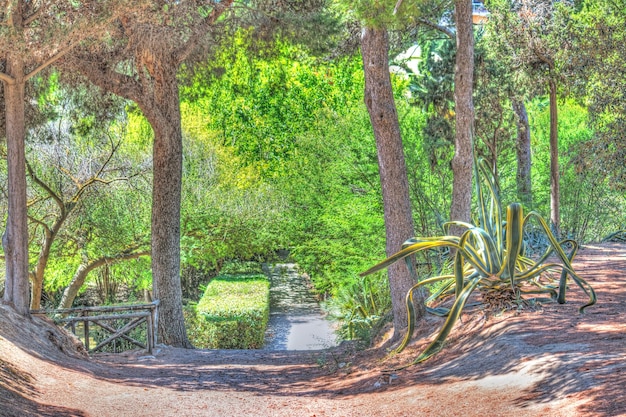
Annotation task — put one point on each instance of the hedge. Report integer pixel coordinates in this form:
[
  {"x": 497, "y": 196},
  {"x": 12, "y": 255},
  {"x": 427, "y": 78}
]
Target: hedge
[{"x": 232, "y": 314}]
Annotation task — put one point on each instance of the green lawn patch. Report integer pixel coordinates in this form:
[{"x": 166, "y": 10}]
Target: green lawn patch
[{"x": 232, "y": 314}]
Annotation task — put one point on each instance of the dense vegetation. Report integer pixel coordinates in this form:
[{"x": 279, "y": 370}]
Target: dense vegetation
[{"x": 279, "y": 154}]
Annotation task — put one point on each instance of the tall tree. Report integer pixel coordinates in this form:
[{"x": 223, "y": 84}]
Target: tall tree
[
  {"x": 532, "y": 31},
  {"x": 148, "y": 50},
  {"x": 463, "y": 159},
  {"x": 524, "y": 184},
  {"x": 392, "y": 167},
  {"x": 599, "y": 63},
  {"x": 141, "y": 62},
  {"x": 33, "y": 35}
]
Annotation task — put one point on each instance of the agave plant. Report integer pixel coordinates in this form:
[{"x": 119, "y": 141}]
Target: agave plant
[
  {"x": 489, "y": 258},
  {"x": 619, "y": 236}
]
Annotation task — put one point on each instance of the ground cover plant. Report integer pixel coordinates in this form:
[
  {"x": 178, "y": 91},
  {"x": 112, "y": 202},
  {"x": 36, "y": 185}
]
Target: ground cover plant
[
  {"x": 489, "y": 257},
  {"x": 232, "y": 314}
]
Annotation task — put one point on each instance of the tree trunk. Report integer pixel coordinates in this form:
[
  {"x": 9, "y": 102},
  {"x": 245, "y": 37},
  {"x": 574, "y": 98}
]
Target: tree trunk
[
  {"x": 463, "y": 159},
  {"x": 392, "y": 168},
  {"x": 524, "y": 187},
  {"x": 42, "y": 261},
  {"x": 165, "y": 120},
  {"x": 158, "y": 100},
  {"x": 71, "y": 291},
  {"x": 555, "y": 215},
  {"x": 15, "y": 238},
  {"x": 38, "y": 273}
]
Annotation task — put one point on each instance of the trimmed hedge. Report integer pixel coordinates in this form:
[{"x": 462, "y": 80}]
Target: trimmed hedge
[{"x": 232, "y": 314}]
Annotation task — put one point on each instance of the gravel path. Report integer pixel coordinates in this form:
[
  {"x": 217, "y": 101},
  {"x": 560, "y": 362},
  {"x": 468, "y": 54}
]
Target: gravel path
[{"x": 296, "y": 320}]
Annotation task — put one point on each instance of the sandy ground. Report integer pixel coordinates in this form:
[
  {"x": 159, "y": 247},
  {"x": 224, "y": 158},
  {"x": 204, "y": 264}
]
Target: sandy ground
[{"x": 551, "y": 362}]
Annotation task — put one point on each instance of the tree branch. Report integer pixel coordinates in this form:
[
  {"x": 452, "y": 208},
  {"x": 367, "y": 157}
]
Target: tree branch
[
  {"x": 100, "y": 74},
  {"x": 30, "y": 19},
  {"x": 49, "y": 61},
  {"x": 45, "y": 187},
  {"x": 7, "y": 78},
  {"x": 200, "y": 30},
  {"x": 39, "y": 222},
  {"x": 445, "y": 30},
  {"x": 398, "y": 4}
]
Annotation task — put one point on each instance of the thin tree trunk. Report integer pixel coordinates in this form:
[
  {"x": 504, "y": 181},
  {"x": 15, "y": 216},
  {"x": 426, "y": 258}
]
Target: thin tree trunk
[
  {"x": 463, "y": 159},
  {"x": 42, "y": 261},
  {"x": 78, "y": 280},
  {"x": 524, "y": 185},
  {"x": 15, "y": 238},
  {"x": 555, "y": 215},
  {"x": 38, "y": 273},
  {"x": 392, "y": 168}
]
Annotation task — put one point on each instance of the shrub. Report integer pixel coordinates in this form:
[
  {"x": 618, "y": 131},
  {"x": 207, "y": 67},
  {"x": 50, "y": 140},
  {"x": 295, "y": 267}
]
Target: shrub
[
  {"x": 232, "y": 314},
  {"x": 361, "y": 307}
]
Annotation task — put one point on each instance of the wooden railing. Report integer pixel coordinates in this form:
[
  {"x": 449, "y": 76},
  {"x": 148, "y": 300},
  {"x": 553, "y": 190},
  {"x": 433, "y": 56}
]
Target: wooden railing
[{"x": 105, "y": 317}]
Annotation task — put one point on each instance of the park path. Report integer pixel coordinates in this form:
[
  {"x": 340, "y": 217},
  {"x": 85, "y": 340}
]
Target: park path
[
  {"x": 296, "y": 319},
  {"x": 533, "y": 363}
]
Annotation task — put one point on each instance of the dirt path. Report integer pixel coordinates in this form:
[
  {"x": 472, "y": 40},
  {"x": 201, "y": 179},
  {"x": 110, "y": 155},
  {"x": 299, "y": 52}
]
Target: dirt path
[{"x": 554, "y": 362}]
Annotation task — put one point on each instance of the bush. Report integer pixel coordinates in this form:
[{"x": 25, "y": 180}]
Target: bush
[{"x": 232, "y": 314}]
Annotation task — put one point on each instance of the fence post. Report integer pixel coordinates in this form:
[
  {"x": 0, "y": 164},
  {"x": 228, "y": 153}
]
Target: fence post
[
  {"x": 154, "y": 316},
  {"x": 86, "y": 330}
]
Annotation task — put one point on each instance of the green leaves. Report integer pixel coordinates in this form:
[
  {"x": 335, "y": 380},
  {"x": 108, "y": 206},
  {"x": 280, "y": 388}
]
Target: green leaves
[
  {"x": 489, "y": 258},
  {"x": 232, "y": 314}
]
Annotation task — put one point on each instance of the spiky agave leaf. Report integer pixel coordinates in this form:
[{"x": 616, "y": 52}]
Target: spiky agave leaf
[{"x": 566, "y": 266}]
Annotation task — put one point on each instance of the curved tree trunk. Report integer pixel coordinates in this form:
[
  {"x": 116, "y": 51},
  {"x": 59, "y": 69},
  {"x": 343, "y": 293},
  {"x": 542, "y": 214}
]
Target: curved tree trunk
[
  {"x": 15, "y": 238},
  {"x": 71, "y": 291},
  {"x": 392, "y": 168},
  {"x": 38, "y": 274},
  {"x": 555, "y": 213},
  {"x": 42, "y": 261},
  {"x": 463, "y": 159},
  {"x": 78, "y": 280},
  {"x": 524, "y": 185}
]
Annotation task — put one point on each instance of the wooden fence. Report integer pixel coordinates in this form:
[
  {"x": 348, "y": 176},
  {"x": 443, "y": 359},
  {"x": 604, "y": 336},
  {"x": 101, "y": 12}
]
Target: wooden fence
[{"x": 106, "y": 318}]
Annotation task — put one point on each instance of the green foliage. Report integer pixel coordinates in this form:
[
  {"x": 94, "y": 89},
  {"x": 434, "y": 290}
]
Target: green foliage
[
  {"x": 232, "y": 314},
  {"x": 281, "y": 156},
  {"x": 335, "y": 203},
  {"x": 237, "y": 267},
  {"x": 256, "y": 107},
  {"x": 489, "y": 258},
  {"x": 432, "y": 88},
  {"x": 361, "y": 307},
  {"x": 598, "y": 60},
  {"x": 591, "y": 207}
]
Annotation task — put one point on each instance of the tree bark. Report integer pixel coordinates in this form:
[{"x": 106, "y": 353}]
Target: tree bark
[
  {"x": 524, "y": 184},
  {"x": 166, "y": 199},
  {"x": 555, "y": 214},
  {"x": 463, "y": 159},
  {"x": 392, "y": 168},
  {"x": 15, "y": 238},
  {"x": 38, "y": 274}
]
